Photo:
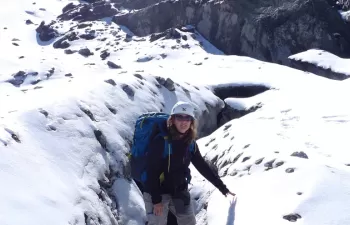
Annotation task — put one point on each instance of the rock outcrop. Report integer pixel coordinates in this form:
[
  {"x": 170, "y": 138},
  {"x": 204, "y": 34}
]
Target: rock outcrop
[
  {"x": 340, "y": 4},
  {"x": 208, "y": 120},
  {"x": 229, "y": 113},
  {"x": 88, "y": 12},
  {"x": 266, "y": 30},
  {"x": 134, "y": 4}
]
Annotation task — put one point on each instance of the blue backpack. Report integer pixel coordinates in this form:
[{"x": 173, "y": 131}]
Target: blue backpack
[{"x": 144, "y": 132}]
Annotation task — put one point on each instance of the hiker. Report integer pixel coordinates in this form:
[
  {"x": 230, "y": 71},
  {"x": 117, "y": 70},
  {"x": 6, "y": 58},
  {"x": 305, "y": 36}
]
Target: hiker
[{"x": 167, "y": 178}]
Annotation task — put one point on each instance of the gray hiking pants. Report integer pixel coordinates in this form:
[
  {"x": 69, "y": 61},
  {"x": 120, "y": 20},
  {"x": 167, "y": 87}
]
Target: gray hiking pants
[{"x": 183, "y": 210}]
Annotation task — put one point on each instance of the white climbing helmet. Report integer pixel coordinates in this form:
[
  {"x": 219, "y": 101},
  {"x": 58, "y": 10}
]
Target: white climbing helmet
[{"x": 183, "y": 108}]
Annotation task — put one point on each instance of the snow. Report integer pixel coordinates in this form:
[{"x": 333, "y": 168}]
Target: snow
[
  {"x": 324, "y": 59},
  {"x": 242, "y": 104},
  {"x": 272, "y": 134},
  {"x": 64, "y": 139},
  {"x": 256, "y": 205},
  {"x": 345, "y": 15}
]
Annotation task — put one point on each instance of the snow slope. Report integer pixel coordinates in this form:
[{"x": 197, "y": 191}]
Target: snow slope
[
  {"x": 64, "y": 133},
  {"x": 65, "y": 136},
  {"x": 256, "y": 155}
]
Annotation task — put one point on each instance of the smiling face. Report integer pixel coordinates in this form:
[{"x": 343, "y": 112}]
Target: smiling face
[{"x": 182, "y": 122}]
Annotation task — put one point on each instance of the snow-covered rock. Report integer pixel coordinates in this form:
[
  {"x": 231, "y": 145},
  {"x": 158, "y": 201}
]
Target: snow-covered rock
[{"x": 322, "y": 63}]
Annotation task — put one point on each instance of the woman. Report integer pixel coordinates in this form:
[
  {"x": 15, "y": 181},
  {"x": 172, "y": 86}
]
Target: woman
[{"x": 172, "y": 191}]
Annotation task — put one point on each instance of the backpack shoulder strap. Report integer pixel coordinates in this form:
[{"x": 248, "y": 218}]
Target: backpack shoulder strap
[
  {"x": 167, "y": 143},
  {"x": 193, "y": 147},
  {"x": 167, "y": 150}
]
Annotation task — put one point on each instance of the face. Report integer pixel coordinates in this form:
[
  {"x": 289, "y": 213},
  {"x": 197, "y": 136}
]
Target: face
[{"x": 182, "y": 122}]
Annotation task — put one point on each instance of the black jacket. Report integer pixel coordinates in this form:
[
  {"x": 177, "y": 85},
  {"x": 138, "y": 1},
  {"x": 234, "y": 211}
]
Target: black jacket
[{"x": 175, "y": 180}]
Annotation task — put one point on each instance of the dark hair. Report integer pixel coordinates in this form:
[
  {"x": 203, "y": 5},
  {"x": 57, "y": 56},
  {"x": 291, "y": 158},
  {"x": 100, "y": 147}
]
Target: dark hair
[{"x": 190, "y": 135}]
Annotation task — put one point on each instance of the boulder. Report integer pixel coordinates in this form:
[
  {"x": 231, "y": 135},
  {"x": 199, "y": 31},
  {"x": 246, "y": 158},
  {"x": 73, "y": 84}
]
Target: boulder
[
  {"x": 85, "y": 52},
  {"x": 68, "y": 7},
  {"x": 61, "y": 43},
  {"x": 112, "y": 65},
  {"x": 46, "y": 32}
]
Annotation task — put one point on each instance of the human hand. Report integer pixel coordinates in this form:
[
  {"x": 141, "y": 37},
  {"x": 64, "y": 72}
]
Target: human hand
[
  {"x": 158, "y": 209},
  {"x": 234, "y": 197},
  {"x": 230, "y": 193}
]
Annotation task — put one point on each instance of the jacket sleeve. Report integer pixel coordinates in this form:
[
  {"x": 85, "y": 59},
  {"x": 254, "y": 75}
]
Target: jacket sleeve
[
  {"x": 154, "y": 166},
  {"x": 204, "y": 169}
]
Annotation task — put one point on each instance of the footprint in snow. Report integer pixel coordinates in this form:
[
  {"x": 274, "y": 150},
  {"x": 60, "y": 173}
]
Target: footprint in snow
[
  {"x": 271, "y": 164},
  {"x": 139, "y": 76},
  {"x": 246, "y": 158},
  {"x": 13, "y": 135},
  {"x": 246, "y": 146},
  {"x": 51, "y": 127},
  {"x": 292, "y": 217},
  {"x": 3, "y": 142},
  {"x": 227, "y": 126},
  {"x": 101, "y": 138},
  {"x": 44, "y": 112},
  {"x": 111, "y": 81},
  {"x": 111, "y": 109},
  {"x": 237, "y": 157},
  {"x": 257, "y": 162},
  {"x": 211, "y": 140},
  {"x": 140, "y": 82},
  {"x": 128, "y": 90},
  {"x": 300, "y": 154},
  {"x": 30, "y": 12},
  {"x": 88, "y": 113},
  {"x": 290, "y": 170}
]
